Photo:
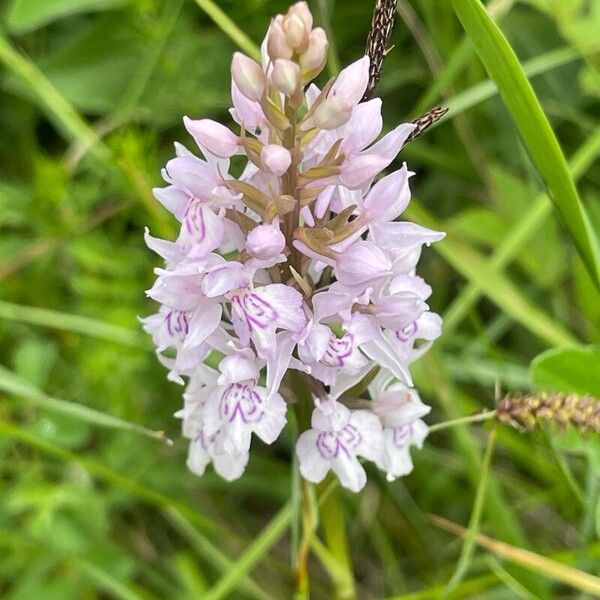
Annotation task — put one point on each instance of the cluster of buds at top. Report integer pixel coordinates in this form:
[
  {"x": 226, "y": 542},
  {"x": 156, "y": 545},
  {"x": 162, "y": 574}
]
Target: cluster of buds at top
[{"x": 299, "y": 262}]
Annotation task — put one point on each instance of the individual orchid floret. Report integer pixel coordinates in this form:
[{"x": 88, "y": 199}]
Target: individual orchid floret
[
  {"x": 291, "y": 268},
  {"x": 337, "y": 438},
  {"x": 400, "y": 410}
]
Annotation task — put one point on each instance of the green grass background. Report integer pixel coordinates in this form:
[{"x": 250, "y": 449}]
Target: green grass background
[{"x": 94, "y": 505}]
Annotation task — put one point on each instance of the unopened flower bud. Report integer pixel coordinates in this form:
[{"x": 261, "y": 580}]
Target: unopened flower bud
[
  {"x": 315, "y": 57},
  {"x": 277, "y": 46},
  {"x": 213, "y": 136},
  {"x": 295, "y": 32},
  {"x": 332, "y": 113},
  {"x": 302, "y": 11},
  {"x": 265, "y": 241},
  {"x": 248, "y": 76},
  {"x": 276, "y": 159},
  {"x": 285, "y": 76}
]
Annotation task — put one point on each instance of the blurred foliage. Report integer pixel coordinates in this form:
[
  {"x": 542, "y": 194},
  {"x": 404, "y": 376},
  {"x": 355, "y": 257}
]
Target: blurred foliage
[{"x": 90, "y": 511}]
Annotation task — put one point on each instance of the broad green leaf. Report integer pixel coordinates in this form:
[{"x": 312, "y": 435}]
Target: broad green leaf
[
  {"x": 570, "y": 370},
  {"x": 504, "y": 68},
  {"x": 26, "y": 15}
]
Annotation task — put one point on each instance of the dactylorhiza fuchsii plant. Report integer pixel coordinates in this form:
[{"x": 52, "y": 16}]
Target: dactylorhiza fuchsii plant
[{"x": 297, "y": 265}]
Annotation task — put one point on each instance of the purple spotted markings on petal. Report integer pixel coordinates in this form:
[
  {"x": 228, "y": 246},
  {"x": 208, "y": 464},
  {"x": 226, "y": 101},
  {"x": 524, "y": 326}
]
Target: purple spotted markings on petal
[
  {"x": 240, "y": 401},
  {"x": 193, "y": 221},
  {"x": 401, "y": 435},
  {"x": 407, "y": 332},
  {"x": 256, "y": 311},
  {"x": 177, "y": 324},
  {"x": 330, "y": 444},
  {"x": 338, "y": 350},
  {"x": 200, "y": 439}
]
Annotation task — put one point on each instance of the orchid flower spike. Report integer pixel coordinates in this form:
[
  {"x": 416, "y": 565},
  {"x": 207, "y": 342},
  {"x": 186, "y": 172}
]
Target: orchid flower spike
[{"x": 296, "y": 262}]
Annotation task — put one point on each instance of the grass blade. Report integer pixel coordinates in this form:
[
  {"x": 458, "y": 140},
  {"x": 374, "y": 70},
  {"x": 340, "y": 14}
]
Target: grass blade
[
  {"x": 205, "y": 548},
  {"x": 257, "y": 549},
  {"x": 229, "y": 28},
  {"x": 10, "y": 383},
  {"x": 557, "y": 571},
  {"x": 466, "y": 553},
  {"x": 75, "y": 323},
  {"x": 485, "y": 90},
  {"x": 498, "y": 288},
  {"x": 101, "y": 471},
  {"x": 61, "y": 112},
  {"x": 504, "y": 68},
  {"x": 518, "y": 236}
]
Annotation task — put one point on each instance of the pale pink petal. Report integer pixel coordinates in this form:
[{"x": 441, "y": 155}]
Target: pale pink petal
[
  {"x": 203, "y": 322},
  {"x": 390, "y": 144},
  {"x": 173, "y": 199},
  {"x": 230, "y": 276},
  {"x": 359, "y": 168},
  {"x": 202, "y": 231},
  {"x": 388, "y": 198},
  {"x": 382, "y": 352},
  {"x": 363, "y": 127},
  {"x": 403, "y": 234},
  {"x": 369, "y": 425},
  {"x": 276, "y": 369},
  {"x": 352, "y": 81},
  {"x": 213, "y": 136},
  {"x": 192, "y": 175},
  {"x": 286, "y": 302},
  {"x": 238, "y": 367},
  {"x": 362, "y": 264},
  {"x": 165, "y": 249}
]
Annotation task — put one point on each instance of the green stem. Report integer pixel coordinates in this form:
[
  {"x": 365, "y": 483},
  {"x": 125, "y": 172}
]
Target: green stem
[
  {"x": 478, "y": 418},
  {"x": 334, "y": 529},
  {"x": 330, "y": 514}
]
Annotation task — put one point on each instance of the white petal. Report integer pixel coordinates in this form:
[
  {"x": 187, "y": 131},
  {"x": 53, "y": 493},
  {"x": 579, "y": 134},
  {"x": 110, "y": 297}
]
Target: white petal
[
  {"x": 230, "y": 467},
  {"x": 350, "y": 472},
  {"x": 273, "y": 420},
  {"x": 369, "y": 426},
  {"x": 313, "y": 466},
  {"x": 204, "y": 321},
  {"x": 198, "y": 457}
]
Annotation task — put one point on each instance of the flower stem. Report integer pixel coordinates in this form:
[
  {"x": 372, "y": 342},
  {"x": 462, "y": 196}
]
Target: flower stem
[
  {"x": 309, "y": 524},
  {"x": 478, "y": 418},
  {"x": 334, "y": 529},
  {"x": 308, "y": 511}
]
